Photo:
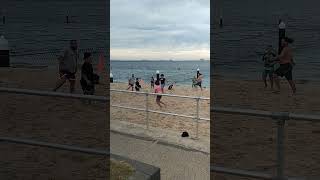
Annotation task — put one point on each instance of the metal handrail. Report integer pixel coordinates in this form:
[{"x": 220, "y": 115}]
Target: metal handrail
[
  {"x": 159, "y": 112},
  {"x": 266, "y": 114},
  {"x": 54, "y": 146},
  {"x": 169, "y": 95},
  {"x": 197, "y": 118},
  {"x": 54, "y": 94}
]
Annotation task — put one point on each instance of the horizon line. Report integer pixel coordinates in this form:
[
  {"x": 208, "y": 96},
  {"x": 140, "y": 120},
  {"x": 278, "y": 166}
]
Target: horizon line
[{"x": 157, "y": 60}]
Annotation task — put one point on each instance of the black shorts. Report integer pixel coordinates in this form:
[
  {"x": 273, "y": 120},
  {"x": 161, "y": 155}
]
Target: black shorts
[
  {"x": 198, "y": 84},
  {"x": 68, "y": 75},
  {"x": 284, "y": 70},
  {"x": 159, "y": 97}
]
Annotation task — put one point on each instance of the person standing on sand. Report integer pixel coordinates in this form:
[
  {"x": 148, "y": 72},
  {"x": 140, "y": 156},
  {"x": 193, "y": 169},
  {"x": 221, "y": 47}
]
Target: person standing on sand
[
  {"x": 87, "y": 75},
  {"x": 138, "y": 86},
  {"x": 194, "y": 81},
  {"x": 131, "y": 83},
  {"x": 157, "y": 89},
  {"x": 199, "y": 80},
  {"x": 162, "y": 82},
  {"x": 268, "y": 59},
  {"x": 285, "y": 60},
  {"x": 152, "y": 82},
  {"x": 68, "y": 66}
]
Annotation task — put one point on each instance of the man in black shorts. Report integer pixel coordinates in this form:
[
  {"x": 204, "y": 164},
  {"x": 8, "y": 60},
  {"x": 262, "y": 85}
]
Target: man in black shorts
[
  {"x": 285, "y": 59},
  {"x": 68, "y": 66}
]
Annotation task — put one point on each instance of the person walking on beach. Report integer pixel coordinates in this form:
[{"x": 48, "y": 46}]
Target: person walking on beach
[
  {"x": 194, "y": 81},
  {"x": 199, "y": 80},
  {"x": 285, "y": 59},
  {"x": 68, "y": 66},
  {"x": 152, "y": 82},
  {"x": 87, "y": 75},
  {"x": 162, "y": 82},
  {"x": 137, "y": 86},
  {"x": 268, "y": 59},
  {"x": 157, "y": 89},
  {"x": 131, "y": 83}
]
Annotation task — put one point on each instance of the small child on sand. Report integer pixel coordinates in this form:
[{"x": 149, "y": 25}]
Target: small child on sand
[
  {"x": 131, "y": 83},
  {"x": 138, "y": 86},
  {"x": 157, "y": 89}
]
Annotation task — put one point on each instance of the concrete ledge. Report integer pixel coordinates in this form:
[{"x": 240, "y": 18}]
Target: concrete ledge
[
  {"x": 162, "y": 136},
  {"x": 142, "y": 171}
]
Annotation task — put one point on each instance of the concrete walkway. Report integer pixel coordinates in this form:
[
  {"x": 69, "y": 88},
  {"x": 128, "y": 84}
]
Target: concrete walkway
[{"x": 175, "y": 163}]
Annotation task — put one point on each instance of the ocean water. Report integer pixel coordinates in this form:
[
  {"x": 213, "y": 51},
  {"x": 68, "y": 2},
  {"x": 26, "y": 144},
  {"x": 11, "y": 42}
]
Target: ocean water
[
  {"x": 251, "y": 25},
  {"x": 180, "y": 72}
]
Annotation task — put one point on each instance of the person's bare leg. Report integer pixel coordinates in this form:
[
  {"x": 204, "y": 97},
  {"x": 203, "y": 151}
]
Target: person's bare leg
[
  {"x": 159, "y": 104},
  {"x": 264, "y": 78},
  {"x": 277, "y": 82},
  {"x": 271, "y": 81},
  {"x": 72, "y": 85},
  {"x": 163, "y": 103},
  {"x": 292, "y": 85},
  {"x": 59, "y": 83}
]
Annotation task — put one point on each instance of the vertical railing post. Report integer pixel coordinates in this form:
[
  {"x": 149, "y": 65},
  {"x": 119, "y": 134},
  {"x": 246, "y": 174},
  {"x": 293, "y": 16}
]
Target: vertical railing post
[
  {"x": 197, "y": 118},
  {"x": 147, "y": 110},
  {"x": 281, "y": 120}
]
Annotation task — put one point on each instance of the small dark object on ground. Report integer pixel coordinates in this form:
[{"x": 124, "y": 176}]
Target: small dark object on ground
[{"x": 185, "y": 134}]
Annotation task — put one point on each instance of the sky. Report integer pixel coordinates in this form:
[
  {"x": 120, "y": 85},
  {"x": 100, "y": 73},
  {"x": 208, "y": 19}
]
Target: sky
[{"x": 160, "y": 29}]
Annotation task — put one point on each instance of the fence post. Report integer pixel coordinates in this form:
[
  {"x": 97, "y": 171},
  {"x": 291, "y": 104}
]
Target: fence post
[
  {"x": 197, "y": 118},
  {"x": 281, "y": 120},
  {"x": 147, "y": 110}
]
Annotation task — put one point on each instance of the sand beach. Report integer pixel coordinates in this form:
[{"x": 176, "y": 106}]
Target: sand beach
[
  {"x": 174, "y": 105},
  {"x": 249, "y": 143},
  {"x": 74, "y": 122},
  {"x": 47, "y": 119}
]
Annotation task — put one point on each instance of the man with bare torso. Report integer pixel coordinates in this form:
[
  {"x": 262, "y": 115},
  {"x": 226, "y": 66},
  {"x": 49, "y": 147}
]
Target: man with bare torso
[{"x": 285, "y": 59}]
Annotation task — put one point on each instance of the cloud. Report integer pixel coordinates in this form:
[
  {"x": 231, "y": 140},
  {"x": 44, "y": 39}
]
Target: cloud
[{"x": 158, "y": 29}]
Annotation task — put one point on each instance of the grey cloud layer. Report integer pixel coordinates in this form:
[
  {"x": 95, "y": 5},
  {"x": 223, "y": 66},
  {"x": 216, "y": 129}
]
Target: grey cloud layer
[{"x": 160, "y": 24}]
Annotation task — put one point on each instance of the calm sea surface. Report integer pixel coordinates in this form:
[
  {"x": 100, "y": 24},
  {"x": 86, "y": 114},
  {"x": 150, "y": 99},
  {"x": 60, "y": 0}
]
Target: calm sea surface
[{"x": 180, "y": 72}]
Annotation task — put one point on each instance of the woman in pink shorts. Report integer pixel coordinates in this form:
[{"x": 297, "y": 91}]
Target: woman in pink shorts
[{"x": 157, "y": 89}]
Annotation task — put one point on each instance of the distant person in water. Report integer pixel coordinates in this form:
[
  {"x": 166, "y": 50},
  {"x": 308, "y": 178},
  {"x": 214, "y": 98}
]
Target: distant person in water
[
  {"x": 137, "y": 86},
  {"x": 268, "y": 59},
  {"x": 285, "y": 59},
  {"x": 162, "y": 82},
  {"x": 157, "y": 89},
  {"x": 131, "y": 83},
  {"x": 68, "y": 63},
  {"x": 87, "y": 75},
  {"x": 152, "y": 82}
]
